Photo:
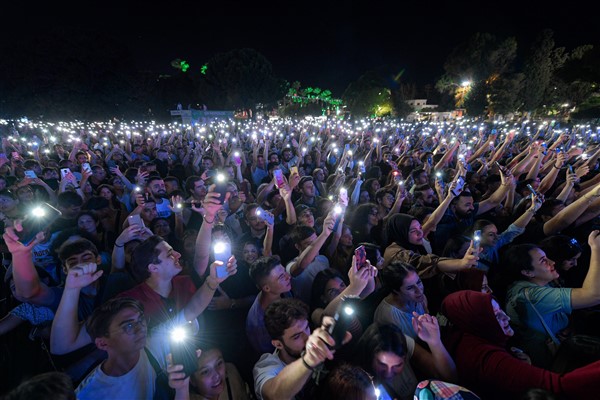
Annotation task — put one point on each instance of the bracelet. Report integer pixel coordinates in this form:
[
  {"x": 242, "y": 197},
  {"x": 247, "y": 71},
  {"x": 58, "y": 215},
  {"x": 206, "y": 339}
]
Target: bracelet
[
  {"x": 116, "y": 245},
  {"x": 207, "y": 221},
  {"x": 554, "y": 166},
  {"x": 208, "y": 284},
  {"x": 304, "y": 362}
]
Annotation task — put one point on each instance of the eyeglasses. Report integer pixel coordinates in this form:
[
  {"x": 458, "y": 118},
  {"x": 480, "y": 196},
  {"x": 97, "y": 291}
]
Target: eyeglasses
[{"x": 131, "y": 327}]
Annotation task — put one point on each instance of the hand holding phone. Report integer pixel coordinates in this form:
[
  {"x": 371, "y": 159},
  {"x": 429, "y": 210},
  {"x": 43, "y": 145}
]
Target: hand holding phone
[
  {"x": 222, "y": 252},
  {"x": 279, "y": 181},
  {"x": 265, "y": 215},
  {"x": 36, "y": 220},
  {"x": 460, "y": 183},
  {"x": 476, "y": 240},
  {"x": 221, "y": 186},
  {"x": 183, "y": 349},
  {"x": 360, "y": 255},
  {"x": 343, "y": 317},
  {"x": 136, "y": 219},
  {"x": 30, "y": 174}
]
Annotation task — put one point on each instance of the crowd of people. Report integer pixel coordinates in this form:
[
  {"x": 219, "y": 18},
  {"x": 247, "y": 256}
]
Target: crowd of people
[{"x": 300, "y": 259}]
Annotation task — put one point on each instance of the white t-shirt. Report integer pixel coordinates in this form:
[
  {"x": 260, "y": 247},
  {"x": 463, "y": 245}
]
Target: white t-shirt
[
  {"x": 139, "y": 382},
  {"x": 162, "y": 209}
]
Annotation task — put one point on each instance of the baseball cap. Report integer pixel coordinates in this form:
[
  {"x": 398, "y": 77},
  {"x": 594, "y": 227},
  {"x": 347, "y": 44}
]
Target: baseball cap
[
  {"x": 300, "y": 208},
  {"x": 304, "y": 179}
]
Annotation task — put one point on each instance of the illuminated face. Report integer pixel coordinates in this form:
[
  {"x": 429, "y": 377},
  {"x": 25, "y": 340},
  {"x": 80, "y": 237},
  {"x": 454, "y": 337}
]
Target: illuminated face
[
  {"x": 412, "y": 290},
  {"x": 207, "y": 164},
  {"x": 278, "y": 281},
  {"x": 387, "y": 365},
  {"x": 543, "y": 268},
  {"x": 489, "y": 235},
  {"x": 364, "y": 197},
  {"x": 157, "y": 188},
  {"x": 502, "y": 318},
  {"x": 306, "y": 218},
  {"x": 168, "y": 266},
  {"x": 250, "y": 253},
  {"x": 294, "y": 338},
  {"x": 126, "y": 333},
  {"x": 209, "y": 378},
  {"x": 463, "y": 207},
  {"x": 375, "y": 186},
  {"x": 415, "y": 233},
  {"x": 87, "y": 223}
]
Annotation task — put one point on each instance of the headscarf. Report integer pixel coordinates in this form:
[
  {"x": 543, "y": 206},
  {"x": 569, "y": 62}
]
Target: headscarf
[
  {"x": 396, "y": 231},
  {"x": 471, "y": 313}
]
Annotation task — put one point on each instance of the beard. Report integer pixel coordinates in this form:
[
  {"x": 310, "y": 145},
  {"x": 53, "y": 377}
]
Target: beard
[{"x": 291, "y": 352}]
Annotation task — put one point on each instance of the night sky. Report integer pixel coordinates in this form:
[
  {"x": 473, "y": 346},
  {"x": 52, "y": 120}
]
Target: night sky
[{"x": 317, "y": 43}]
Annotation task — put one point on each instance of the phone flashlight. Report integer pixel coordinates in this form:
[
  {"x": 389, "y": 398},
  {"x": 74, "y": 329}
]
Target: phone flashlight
[
  {"x": 343, "y": 317},
  {"x": 182, "y": 349}
]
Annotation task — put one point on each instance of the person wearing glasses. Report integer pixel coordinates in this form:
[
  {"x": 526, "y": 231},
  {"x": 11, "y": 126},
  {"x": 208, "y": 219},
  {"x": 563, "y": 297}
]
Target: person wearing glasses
[{"x": 119, "y": 328}]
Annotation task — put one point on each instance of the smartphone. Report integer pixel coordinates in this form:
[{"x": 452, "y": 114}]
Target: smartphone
[
  {"x": 500, "y": 167},
  {"x": 476, "y": 240},
  {"x": 265, "y": 215},
  {"x": 136, "y": 219},
  {"x": 343, "y": 196},
  {"x": 570, "y": 168},
  {"x": 532, "y": 190},
  {"x": 360, "y": 254},
  {"x": 221, "y": 186},
  {"x": 294, "y": 170},
  {"x": 86, "y": 167},
  {"x": 30, "y": 174},
  {"x": 222, "y": 252},
  {"x": 236, "y": 158},
  {"x": 460, "y": 184},
  {"x": 36, "y": 220},
  {"x": 278, "y": 177},
  {"x": 183, "y": 349},
  {"x": 397, "y": 175},
  {"x": 64, "y": 172},
  {"x": 343, "y": 317},
  {"x": 338, "y": 211}
]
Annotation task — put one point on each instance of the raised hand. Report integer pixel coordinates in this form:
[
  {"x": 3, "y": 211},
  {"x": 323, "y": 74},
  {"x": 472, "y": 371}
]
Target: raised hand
[
  {"x": 426, "y": 327},
  {"x": 82, "y": 275}
]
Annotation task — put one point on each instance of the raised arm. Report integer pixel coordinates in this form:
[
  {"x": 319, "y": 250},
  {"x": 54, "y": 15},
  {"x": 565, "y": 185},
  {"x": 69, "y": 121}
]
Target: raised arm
[
  {"x": 210, "y": 206},
  {"x": 67, "y": 333},
  {"x": 28, "y": 286},
  {"x": 570, "y": 213},
  {"x": 496, "y": 197},
  {"x": 438, "y": 213},
  {"x": 309, "y": 254},
  {"x": 589, "y": 293},
  {"x": 436, "y": 362}
]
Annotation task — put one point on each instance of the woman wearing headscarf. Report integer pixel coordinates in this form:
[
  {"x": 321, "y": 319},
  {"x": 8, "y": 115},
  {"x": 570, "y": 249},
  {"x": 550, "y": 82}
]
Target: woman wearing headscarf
[
  {"x": 404, "y": 236},
  {"x": 477, "y": 341}
]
